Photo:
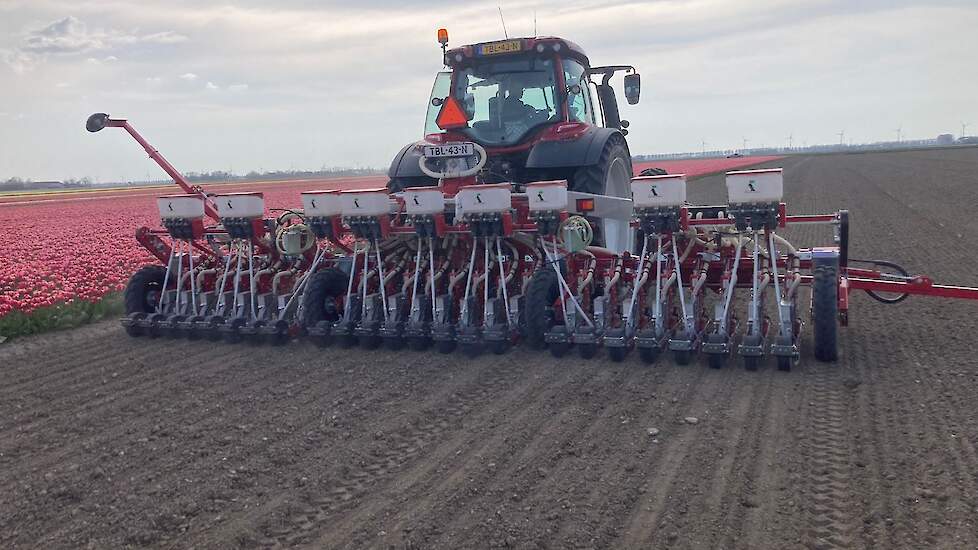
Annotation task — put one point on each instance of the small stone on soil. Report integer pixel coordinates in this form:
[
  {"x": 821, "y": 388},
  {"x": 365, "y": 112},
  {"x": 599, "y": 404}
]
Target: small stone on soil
[
  {"x": 691, "y": 420},
  {"x": 653, "y": 431}
]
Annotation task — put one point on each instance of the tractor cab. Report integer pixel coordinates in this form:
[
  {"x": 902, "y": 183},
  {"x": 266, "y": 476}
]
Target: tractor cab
[
  {"x": 537, "y": 109},
  {"x": 514, "y": 91}
]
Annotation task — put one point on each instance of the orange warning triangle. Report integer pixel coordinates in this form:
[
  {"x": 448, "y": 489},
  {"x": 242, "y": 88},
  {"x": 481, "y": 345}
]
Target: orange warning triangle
[{"x": 451, "y": 115}]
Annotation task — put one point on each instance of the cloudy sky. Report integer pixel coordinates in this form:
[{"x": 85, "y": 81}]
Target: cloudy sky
[{"x": 306, "y": 83}]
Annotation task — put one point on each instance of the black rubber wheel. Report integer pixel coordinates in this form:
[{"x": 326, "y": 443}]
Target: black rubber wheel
[
  {"x": 825, "y": 312},
  {"x": 400, "y": 183},
  {"x": 653, "y": 171},
  {"x": 682, "y": 356},
  {"x": 257, "y": 338},
  {"x": 323, "y": 340},
  {"x": 232, "y": 336},
  {"x": 587, "y": 351},
  {"x": 470, "y": 350},
  {"x": 142, "y": 292},
  {"x": 784, "y": 363},
  {"x": 541, "y": 293},
  {"x": 395, "y": 343},
  {"x": 281, "y": 335},
  {"x": 558, "y": 349},
  {"x": 319, "y": 300},
  {"x": 213, "y": 330},
  {"x": 156, "y": 322},
  {"x": 194, "y": 332},
  {"x": 445, "y": 346},
  {"x": 419, "y": 343},
  {"x": 135, "y": 330},
  {"x": 348, "y": 341},
  {"x": 717, "y": 360},
  {"x": 617, "y": 354},
  {"x": 370, "y": 341},
  {"x": 170, "y": 328},
  {"x": 594, "y": 179},
  {"x": 648, "y": 355},
  {"x": 752, "y": 362},
  {"x": 499, "y": 347}
]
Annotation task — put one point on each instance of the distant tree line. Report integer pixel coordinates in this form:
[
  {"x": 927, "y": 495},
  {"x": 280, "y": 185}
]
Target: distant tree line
[{"x": 21, "y": 184}]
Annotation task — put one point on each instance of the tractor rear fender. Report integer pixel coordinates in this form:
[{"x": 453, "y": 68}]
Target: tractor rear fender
[
  {"x": 584, "y": 151},
  {"x": 405, "y": 163}
]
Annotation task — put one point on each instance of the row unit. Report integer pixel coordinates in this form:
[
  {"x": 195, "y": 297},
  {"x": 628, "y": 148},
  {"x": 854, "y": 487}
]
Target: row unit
[{"x": 666, "y": 191}]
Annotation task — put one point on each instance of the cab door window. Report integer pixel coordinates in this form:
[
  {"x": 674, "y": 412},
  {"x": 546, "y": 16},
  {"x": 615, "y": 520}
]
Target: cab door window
[{"x": 579, "y": 108}]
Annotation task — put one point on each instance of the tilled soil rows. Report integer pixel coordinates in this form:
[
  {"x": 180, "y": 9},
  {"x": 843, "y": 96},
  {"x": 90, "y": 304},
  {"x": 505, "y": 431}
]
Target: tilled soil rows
[{"x": 109, "y": 442}]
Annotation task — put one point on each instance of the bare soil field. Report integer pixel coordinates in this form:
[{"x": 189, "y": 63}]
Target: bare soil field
[{"x": 109, "y": 442}]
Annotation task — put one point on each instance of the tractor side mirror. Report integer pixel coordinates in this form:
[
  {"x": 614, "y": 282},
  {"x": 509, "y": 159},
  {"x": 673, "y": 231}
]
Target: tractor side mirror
[
  {"x": 633, "y": 87},
  {"x": 96, "y": 122}
]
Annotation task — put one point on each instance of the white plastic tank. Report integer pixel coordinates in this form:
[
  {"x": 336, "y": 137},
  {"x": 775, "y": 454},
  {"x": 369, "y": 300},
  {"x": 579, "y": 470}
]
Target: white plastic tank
[
  {"x": 755, "y": 186},
  {"x": 659, "y": 191},
  {"x": 187, "y": 207}
]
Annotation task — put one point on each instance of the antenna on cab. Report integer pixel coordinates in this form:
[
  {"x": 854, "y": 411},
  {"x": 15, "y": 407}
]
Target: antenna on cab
[{"x": 500, "y": 8}]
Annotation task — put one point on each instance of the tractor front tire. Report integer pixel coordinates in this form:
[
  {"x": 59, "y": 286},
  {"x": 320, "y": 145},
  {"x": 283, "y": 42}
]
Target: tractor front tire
[
  {"x": 825, "y": 311},
  {"x": 142, "y": 290},
  {"x": 400, "y": 183}
]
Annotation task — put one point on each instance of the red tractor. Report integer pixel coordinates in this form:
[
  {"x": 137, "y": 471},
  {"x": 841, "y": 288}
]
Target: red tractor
[{"x": 540, "y": 111}]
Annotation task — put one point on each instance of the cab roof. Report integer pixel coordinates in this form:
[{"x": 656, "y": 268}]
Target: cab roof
[{"x": 510, "y": 47}]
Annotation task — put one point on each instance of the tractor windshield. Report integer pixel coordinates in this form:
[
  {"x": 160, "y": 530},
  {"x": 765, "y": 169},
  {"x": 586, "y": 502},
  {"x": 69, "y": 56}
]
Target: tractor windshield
[{"x": 505, "y": 100}]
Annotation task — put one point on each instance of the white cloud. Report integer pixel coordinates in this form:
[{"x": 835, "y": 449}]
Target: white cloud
[
  {"x": 238, "y": 87},
  {"x": 71, "y": 36},
  {"x": 153, "y": 80},
  {"x": 211, "y": 86},
  {"x": 188, "y": 76}
]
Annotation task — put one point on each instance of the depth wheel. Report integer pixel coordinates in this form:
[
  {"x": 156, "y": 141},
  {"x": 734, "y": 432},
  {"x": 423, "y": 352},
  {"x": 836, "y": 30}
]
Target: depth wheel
[
  {"x": 419, "y": 343},
  {"x": 717, "y": 360},
  {"x": 170, "y": 328},
  {"x": 471, "y": 350},
  {"x": 784, "y": 363},
  {"x": 134, "y": 329},
  {"x": 213, "y": 330},
  {"x": 445, "y": 346},
  {"x": 232, "y": 334},
  {"x": 281, "y": 335},
  {"x": 617, "y": 354},
  {"x": 825, "y": 311},
  {"x": 194, "y": 332},
  {"x": 156, "y": 321},
  {"x": 587, "y": 351},
  {"x": 370, "y": 341},
  {"x": 257, "y": 339},
  {"x": 648, "y": 355},
  {"x": 348, "y": 341},
  {"x": 541, "y": 293},
  {"x": 559, "y": 349},
  {"x": 682, "y": 356},
  {"x": 394, "y": 343},
  {"x": 752, "y": 362},
  {"x": 499, "y": 347}
]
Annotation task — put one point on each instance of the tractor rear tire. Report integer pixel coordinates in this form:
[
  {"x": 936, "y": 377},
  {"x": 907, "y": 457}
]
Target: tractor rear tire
[
  {"x": 541, "y": 293},
  {"x": 825, "y": 312},
  {"x": 142, "y": 290},
  {"x": 611, "y": 176},
  {"x": 319, "y": 298}
]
